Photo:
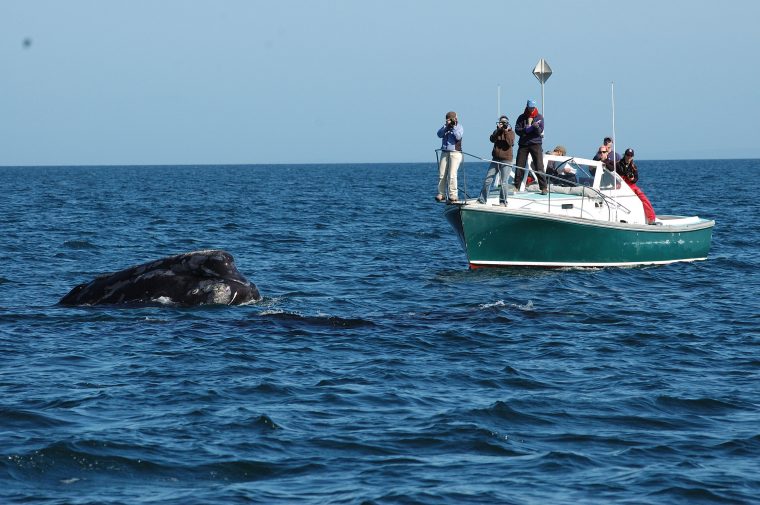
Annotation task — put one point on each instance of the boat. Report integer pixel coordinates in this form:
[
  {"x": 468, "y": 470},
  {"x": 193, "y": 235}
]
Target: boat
[{"x": 594, "y": 221}]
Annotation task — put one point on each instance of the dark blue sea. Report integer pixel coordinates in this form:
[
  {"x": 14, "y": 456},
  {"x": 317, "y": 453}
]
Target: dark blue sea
[{"x": 377, "y": 369}]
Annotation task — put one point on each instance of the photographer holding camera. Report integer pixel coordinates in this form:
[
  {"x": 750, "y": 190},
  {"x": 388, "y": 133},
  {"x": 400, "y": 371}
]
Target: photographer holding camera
[
  {"x": 451, "y": 157},
  {"x": 503, "y": 138}
]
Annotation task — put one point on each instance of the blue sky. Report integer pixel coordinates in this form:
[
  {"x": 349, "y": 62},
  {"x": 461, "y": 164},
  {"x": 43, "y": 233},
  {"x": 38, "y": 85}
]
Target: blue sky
[{"x": 296, "y": 81}]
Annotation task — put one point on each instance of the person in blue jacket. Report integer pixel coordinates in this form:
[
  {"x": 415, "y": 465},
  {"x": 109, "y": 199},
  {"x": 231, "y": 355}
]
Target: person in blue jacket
[
  {"x": 451, "y": 157},
  {"x": 530, "y": 128}
]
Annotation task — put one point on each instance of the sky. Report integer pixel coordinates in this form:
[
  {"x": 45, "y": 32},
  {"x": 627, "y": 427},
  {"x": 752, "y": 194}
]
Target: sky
[{"x": 144, "y": 82}]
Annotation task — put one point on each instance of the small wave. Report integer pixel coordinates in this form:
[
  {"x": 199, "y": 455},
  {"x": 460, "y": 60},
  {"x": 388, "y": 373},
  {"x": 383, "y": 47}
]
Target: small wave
[
  {"x": 564, "y": 461},
  {"x": 250, "y": 470},
  {"x": 79, "y": 244},
  {"x": 501, "y": 410},
  {"x": 527, "y": 384},
  {"x": 69, "y": 462},
  {"x": 742, "y": 447},
  {"x": 528, "y": 307},
  {"x": 341, "y": 381},
  {"x": 263, "y": 423},
  {"x": 271, "y": 312},
  {"x": 62, "y": 459},
  {"x": 643, "y": 422},
  {"x": 319, "y": 320},
  {"x": 3, "y": 280},
  {"x": 264, "y": 388},
  {"x": 690, "y": 494},
  {"x": 695, "y": 406},
  {"x": 514, "y": 378},
  {"x": 19, "y": 418},
  {"x": 496, "y": 304}
]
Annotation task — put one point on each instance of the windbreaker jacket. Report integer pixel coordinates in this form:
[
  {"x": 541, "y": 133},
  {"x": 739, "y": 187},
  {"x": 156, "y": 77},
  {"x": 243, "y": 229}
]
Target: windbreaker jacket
[{"x": 503, "y": 140}]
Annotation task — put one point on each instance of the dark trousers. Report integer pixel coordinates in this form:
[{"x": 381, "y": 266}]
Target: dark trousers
[{"x": 537, "y": 154}]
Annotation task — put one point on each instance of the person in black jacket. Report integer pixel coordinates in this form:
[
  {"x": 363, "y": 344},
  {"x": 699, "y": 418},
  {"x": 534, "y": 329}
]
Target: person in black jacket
[
  {"x": 503, "y": 138},
  {"x": 630, "y": 174},
  {"x": 530, "y": 128}
]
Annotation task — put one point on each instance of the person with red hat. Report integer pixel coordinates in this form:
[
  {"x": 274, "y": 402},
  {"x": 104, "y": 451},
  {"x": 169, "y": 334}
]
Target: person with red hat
[{"x": 530, "y": 128}]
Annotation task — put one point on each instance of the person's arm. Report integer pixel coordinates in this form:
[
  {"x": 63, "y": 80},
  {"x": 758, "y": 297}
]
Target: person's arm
[
  {"x": 537, "y": 126},
  {"x": 458, "y": 131},
  {"x": 494, "y": 136},
  {"x": 520, "y": 126},
  {"x": 511, "y": 137},
  {"x": 634, "y": 173},
  {"x": 442, "y": 132}
]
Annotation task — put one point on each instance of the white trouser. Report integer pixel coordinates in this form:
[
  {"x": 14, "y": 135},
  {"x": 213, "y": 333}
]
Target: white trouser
[{"x": 447, "y": 168}]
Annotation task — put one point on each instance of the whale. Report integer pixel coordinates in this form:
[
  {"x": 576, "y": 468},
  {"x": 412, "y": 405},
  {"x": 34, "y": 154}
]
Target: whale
[{"x": 207, "y": 277}]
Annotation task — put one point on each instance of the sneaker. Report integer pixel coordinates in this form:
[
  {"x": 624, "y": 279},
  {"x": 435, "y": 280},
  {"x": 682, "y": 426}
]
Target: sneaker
[
  {"x": 453, "y": 200},
  {"x": 544, "y": 191},
  {"x": 438, "y": 198}
]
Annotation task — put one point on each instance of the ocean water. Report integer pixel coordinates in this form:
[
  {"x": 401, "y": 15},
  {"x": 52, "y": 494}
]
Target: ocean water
[{"x": 378, "y": 369}]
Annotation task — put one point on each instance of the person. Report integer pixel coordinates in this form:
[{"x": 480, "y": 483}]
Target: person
[
  {"x": 530, "y": 128},
  {"x": 451, "y": 157},
  {"x": 628, "y": 170},
  {"x": 503, "y": 138},
  {"x": 605, "y": 154},
  {"x": 564, "y": 174}
]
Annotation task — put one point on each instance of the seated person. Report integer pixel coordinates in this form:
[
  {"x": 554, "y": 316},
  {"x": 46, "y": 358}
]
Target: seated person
[{"x": 563, "y": 174}]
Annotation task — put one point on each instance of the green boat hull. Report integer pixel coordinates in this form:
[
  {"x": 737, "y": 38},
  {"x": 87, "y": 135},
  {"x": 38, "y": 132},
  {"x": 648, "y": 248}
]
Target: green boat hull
[{"x": 519, "y": 238}]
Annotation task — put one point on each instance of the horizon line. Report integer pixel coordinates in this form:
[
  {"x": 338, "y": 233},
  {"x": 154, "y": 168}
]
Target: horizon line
[{"x": 311, "y": 163}]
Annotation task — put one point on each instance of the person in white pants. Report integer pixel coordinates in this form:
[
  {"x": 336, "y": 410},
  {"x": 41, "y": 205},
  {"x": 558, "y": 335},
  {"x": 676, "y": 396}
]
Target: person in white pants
[{"x": 451, "y": 157}]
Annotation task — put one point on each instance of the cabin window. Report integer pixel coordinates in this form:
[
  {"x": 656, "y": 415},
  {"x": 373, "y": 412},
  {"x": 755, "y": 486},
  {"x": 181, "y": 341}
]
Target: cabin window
[
  {"x": 608, "y": 180},
  {"x": 584, "y": 174}
]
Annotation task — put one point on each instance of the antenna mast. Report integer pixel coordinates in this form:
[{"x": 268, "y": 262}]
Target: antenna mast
[
  {"x": 614, "y": 138},
  {"x": 498, "y": 100}
]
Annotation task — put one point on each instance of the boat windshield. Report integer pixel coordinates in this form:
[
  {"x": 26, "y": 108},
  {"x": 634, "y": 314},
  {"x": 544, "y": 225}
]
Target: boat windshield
[
  {"x": 582, "y": 174},
  {"x": 608, "y": 180}
]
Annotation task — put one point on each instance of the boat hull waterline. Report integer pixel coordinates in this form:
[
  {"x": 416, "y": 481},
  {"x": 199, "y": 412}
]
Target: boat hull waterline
[{"x": 506, "y": 237}]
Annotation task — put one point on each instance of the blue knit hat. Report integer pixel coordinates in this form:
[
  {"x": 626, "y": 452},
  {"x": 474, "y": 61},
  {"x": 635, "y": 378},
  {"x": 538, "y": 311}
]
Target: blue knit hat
[{"x": 531, "y": 103}]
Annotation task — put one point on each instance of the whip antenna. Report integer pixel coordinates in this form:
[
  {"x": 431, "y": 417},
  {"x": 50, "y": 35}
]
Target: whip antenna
[{"x": 614, "y": 141}]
